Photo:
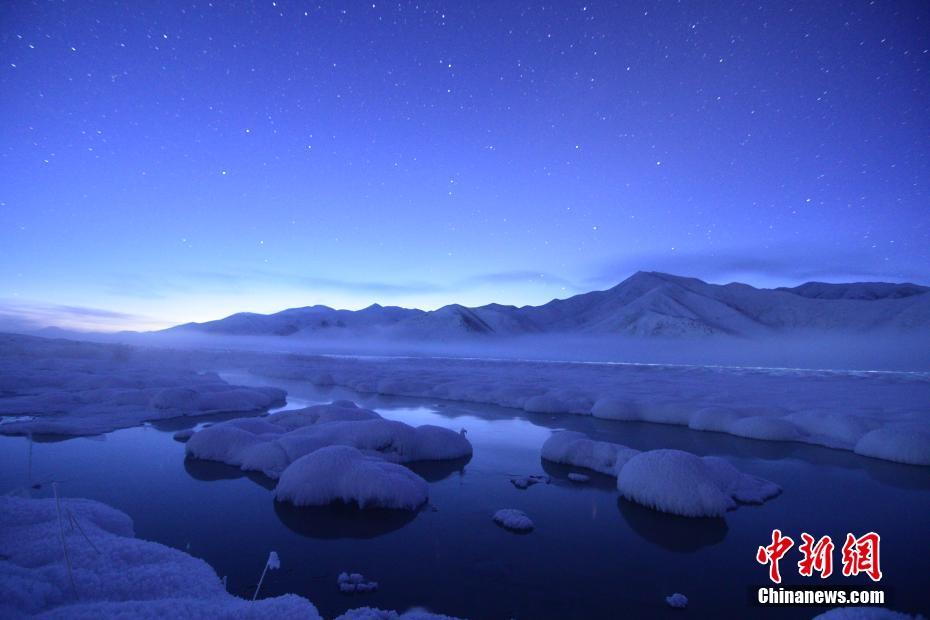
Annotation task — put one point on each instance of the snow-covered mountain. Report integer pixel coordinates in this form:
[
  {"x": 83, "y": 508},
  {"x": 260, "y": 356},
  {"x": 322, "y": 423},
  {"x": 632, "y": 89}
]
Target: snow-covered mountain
[{"x": 645, "y": 304}]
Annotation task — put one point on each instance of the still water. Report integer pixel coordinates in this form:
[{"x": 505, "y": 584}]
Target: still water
[{"x": 591, "y": 554}]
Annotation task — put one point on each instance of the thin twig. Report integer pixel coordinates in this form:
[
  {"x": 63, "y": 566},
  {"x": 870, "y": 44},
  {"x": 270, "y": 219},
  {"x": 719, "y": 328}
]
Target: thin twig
[
  {"x": 74, "y": 522},
  {"x": 61, "y": 534},
  {"x": 260, "y": 580}
]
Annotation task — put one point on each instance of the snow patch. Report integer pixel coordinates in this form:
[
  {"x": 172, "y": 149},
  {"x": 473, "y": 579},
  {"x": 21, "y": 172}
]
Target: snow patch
[{"x": 513, "y": 519}]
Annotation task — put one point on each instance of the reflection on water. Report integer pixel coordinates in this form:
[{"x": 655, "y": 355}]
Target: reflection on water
[
  {"x": 341, "y": 520},
  {"x": 591, "y": 554}
]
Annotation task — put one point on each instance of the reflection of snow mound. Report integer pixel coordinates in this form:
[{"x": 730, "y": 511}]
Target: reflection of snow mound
[
  {"x": 667, "y": 480},
  {"x": 513, "y": 519},
  {"x": 355, "y": 582},
  {"x": 343, "y": 474}
]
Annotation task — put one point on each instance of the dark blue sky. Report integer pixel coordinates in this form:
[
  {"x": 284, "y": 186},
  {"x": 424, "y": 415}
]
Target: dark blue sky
[{"x": 168, "y": 161}]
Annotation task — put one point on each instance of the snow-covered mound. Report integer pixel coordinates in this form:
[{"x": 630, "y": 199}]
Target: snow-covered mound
[
  {"x": 691, "y": 486},
  {"x": 829, "y": 408},
  {"x": 115, "y": 574},
  {"x": 74, "y": 388},
  {"x": 343, "y": 474},
  {"x": 576, "y": 449},
  {"x": 271, "y": 444},
  {"x": 667, "y": 480},
  {"x": 513, "y": 519}
]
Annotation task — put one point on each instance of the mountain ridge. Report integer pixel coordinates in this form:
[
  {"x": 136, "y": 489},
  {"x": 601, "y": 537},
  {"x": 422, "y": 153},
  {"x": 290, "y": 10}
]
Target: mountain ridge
[{"x": 648, "y": 303}]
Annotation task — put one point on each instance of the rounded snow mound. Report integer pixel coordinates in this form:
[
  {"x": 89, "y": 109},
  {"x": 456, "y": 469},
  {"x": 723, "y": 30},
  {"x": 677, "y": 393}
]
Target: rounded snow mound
[
  {"x": 903, "y": 445},
  {"x": 864, "y": 613},
  {"x": 513, "y": 519},
  {"x": 684, "y": 484},
  {"x": 576, "y": 449},
  {"x": 344, "y": 474}
]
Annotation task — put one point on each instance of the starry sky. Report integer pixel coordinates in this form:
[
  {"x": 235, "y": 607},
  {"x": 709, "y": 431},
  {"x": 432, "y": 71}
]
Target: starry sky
[{"x": 167, "y": 161}]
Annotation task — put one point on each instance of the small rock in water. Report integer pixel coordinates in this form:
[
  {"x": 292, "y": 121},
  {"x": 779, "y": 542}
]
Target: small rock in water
[
  {"x": 524, "y": 482},
  {"x": 355, "y": 582},
  {"x": 677, "y": 600},
  {"x": 578, "y": 477},
  {"x": 184, "y": 435},
  {"x": 513, "y": 519}
]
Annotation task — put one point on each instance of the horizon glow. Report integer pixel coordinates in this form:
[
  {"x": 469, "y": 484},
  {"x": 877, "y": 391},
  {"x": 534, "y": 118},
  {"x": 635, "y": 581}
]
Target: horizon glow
[{"x": 169, "y": 162}]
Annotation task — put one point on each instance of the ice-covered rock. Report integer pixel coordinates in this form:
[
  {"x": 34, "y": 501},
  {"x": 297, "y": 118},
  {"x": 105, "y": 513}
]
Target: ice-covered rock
[
  {"x": 355, "y": 582},
  {"x": 688, "y": 485},
  {"x": 578, "y": 450},
  {"x": 270, "y": 444},
  {"x": 677, "y": 600},
  {"x": 184, "y": 435},
  {"x": 344, "y": 474},
  {"x": 513, "y": 519}
]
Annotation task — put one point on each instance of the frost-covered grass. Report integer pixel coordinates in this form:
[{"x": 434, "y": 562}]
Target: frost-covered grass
[
  {"x": 879, "y": 414},
  {"x": 670, "y": 481},
  {"x": 119, "y": 576}
]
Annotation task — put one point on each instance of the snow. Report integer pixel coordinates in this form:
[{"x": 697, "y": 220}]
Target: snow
[
  {"x": 271, "y": 444},
  {"x": 646, "y": 304},
  {"x": 576, "y": 449},
  {"x": 115, "y": 574},
  {"x": 355, "y": 582},
  {"x": 513, "y": 519},
  {"x": 677, "y": 600},
  {"x": 667, "y": 480},
  {"x": 836, "y": 409},
  {"x": 576, "y": 477},
  {"x": 684, "y": 484},
  {"x": 75, "y": 388},
  {"x": 119, "y": 576},
  {"x": 344, "y": 474}
]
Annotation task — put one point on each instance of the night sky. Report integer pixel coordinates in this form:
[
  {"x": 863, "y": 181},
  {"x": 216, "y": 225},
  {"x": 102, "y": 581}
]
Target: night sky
[{"x": 166, "y": 161}]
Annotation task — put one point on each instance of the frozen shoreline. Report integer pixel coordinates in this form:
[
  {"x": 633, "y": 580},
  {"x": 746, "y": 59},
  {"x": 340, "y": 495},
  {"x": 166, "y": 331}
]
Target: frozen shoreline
[{"x": 883, "y": 415}]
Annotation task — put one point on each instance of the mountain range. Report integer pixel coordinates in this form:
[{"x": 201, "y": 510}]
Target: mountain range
[{"x": 645, "y": 304}]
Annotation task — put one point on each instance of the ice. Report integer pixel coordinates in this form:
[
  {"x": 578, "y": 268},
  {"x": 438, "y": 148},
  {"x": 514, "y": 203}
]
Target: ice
[
  {"x": 576, "y": 449},
  {"x": 576, "y": 477},
  {"x": 677, "y": 600},
  {"x": 271, "y": 444},
  {"x": 115, "y": 574},
  {"x": 513, "y": 519},
  {"x": 684, "y": 484},
  {"x": 344, "y": 474},
  {"x": 837, "y": 409},
  {"x": 355, "y": 582}
]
